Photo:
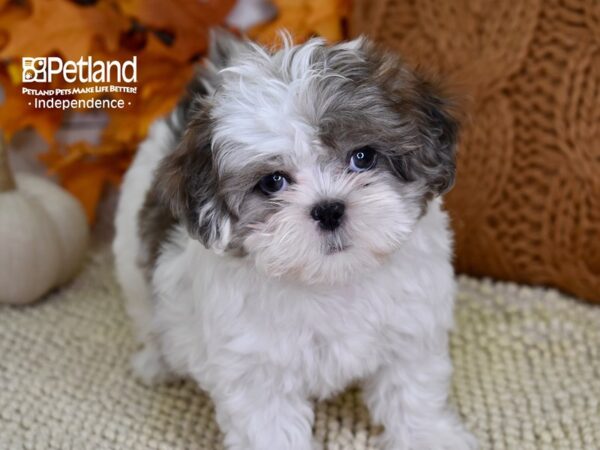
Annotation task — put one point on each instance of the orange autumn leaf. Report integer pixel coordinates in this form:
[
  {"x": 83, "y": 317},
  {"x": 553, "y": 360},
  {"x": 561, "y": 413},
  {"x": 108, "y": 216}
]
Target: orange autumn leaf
[
  {"x": 65, "y": 27},
  {"x": 179, "y": 28},
  {"x": 87, "y": 180},
  {"x": 166, "y": 37},
  {"x": 327, "y": 18},
  {"x": 10, "y": 13},
  {"x": 304, "y": 19},
  {"x": 155, "y": 98},
  {"x": 132, "y": 125},
  {"x": 87, "y": 185},
  {"x": 181, "y": 13},
  {"x": 16, "y": 113},
  {"x": 125, "y": 129},
  {"x": 85, "y": 170}
]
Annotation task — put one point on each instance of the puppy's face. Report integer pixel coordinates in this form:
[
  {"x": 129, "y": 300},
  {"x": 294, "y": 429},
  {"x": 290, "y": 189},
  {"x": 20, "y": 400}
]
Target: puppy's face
[{"x": 314, "y": 162}]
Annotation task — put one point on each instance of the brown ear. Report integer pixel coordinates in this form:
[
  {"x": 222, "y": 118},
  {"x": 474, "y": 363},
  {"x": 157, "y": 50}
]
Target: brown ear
[
  {"x": 187, "y": 181},
  {"x": 223, "y": 46},
  {"x": 438, "y": 128},
  {"x": 433, "y": 130}
]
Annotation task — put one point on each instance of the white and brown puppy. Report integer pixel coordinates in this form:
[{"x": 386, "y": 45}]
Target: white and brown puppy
[{"x": 281, "y": 236}]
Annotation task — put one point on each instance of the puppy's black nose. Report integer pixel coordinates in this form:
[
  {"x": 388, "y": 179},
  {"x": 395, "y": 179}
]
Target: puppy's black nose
[{"x": 329, "y": 214}]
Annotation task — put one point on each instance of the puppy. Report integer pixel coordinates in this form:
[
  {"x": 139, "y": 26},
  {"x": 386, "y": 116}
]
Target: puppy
[{"x": 280, "y": 236}]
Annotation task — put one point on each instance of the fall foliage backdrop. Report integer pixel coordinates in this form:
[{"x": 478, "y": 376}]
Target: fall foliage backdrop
[{"x": 168, "y": 38}]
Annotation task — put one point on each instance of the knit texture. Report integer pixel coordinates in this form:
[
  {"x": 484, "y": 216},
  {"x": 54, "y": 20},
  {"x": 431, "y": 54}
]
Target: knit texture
[
  {"x": 526, "y": 206},
  {"x": 527, "y": 376}
]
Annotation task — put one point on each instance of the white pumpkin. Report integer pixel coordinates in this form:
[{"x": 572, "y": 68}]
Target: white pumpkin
[{"x": 43, "y": 236}]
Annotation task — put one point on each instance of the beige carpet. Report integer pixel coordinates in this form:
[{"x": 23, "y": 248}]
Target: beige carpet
[{"x": 527, "y": 376}]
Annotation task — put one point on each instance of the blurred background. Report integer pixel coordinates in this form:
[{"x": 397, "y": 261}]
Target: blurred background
[
  {"x": 525, "y": 211},
  {"x": 526, "y": 206}
]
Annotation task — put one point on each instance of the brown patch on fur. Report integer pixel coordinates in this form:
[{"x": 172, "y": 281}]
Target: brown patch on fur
[
  {"x": 187, "y": 180},
  {"x": 382, "y": 103},
  {"x": 155, "y": 221}
]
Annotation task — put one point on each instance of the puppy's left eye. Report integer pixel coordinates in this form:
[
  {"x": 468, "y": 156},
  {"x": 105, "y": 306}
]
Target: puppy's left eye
[
  {"x": 273, "y": 183},
  {"x": 364, "y": 158}
]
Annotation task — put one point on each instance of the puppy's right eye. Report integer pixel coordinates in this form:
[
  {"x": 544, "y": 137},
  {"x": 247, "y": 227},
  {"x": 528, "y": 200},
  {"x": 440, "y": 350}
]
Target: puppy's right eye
[
  {"x": 362, "y": 159},
  {"x": 273, "y": 183}
]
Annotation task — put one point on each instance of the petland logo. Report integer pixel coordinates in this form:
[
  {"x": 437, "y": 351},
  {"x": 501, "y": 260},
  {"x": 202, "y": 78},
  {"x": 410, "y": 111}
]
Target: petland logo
[
  {"x": 83, "y": 71},
  {"x": 107, "y": 84}
]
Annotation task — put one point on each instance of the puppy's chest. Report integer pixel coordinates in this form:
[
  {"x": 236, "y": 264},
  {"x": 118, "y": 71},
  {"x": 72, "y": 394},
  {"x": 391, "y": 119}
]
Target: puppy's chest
[
  {"x": 331, "y": 363},
  {"x": 331, "y": 347},
  {"x": 326, "y": 340}
]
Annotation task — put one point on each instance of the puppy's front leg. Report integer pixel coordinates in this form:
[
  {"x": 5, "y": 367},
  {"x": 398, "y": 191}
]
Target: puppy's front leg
[
  {"x": 409, "y": 398},
  {"x": 264, "y": 414}
]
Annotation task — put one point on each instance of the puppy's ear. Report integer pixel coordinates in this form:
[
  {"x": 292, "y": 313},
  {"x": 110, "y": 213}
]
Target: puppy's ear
[
  {"x": 428, "y": 121},
  {"x": 438, "y": 129},
  {"x": 187, "y": 181},
  {"x": 223, "y": 46}
]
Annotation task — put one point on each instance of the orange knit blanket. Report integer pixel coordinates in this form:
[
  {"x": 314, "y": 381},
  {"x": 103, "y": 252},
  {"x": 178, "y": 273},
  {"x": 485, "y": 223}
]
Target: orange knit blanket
[{"x": 526, "y": 205}]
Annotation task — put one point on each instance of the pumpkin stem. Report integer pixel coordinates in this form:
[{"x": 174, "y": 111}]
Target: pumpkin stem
[{"x": 7, "y": 181}]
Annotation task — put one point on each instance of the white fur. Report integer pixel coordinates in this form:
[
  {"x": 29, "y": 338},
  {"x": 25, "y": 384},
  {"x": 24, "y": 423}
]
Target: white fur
[{"x": 266, "y": 333}]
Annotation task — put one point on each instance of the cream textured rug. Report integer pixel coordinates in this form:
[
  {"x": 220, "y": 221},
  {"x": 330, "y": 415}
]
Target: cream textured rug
[{"x": 527, "y": 376}]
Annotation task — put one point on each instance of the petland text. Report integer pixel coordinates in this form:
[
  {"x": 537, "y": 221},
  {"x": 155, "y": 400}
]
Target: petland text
[{"x": 83, "y": 71}]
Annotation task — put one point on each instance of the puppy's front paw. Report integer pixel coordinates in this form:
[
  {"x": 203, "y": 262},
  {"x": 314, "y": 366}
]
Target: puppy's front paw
[{"x": 149, "y": 367}]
